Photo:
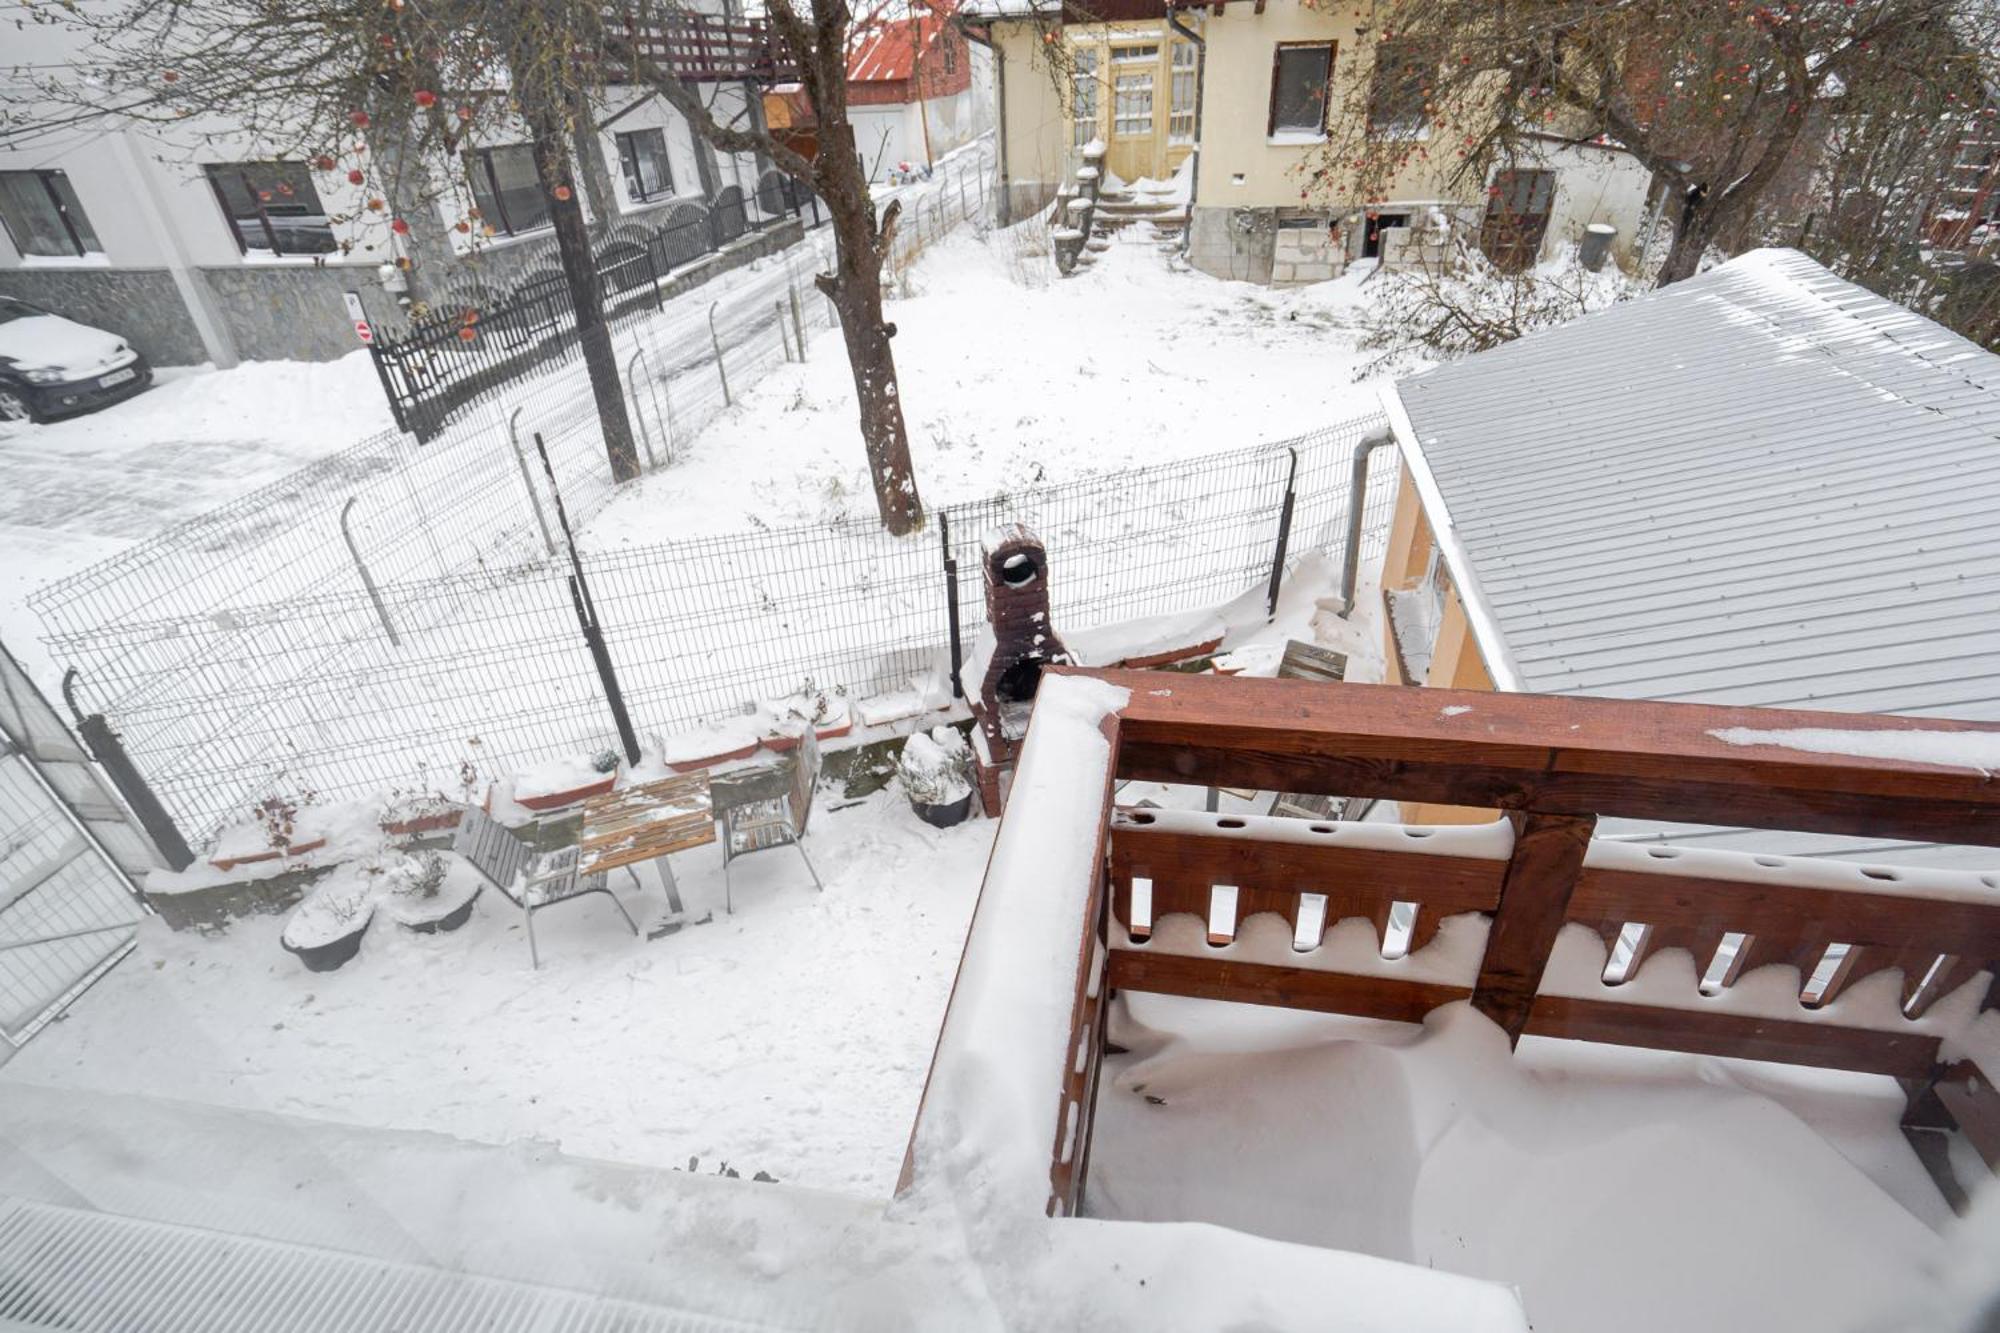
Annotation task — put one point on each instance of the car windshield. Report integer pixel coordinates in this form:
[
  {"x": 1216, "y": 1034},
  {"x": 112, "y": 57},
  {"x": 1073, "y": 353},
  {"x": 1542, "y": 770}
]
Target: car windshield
[{"x": 13, "y": 310}]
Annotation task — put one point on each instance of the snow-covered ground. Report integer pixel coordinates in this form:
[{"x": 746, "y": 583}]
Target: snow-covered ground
[
  {"x": 79, "y": 490},
  {"x": 791, "y": 1037},
  {"x": 1011, "y": 378}
]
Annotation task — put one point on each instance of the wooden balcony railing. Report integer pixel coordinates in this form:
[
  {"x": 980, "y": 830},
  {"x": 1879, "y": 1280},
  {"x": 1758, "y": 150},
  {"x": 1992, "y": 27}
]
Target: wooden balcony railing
[
  {"x": 703, "y": 49},
  {"x": 1544, "y": 929}
]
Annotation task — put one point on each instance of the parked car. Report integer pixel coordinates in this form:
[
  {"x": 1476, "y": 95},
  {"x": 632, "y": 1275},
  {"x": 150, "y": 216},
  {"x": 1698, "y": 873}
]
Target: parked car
[{"x": 54, "y": 367}]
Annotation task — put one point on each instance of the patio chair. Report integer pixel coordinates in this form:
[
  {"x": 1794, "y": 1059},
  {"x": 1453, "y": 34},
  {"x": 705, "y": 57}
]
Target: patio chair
[
  {"x": 754, "y": 823},
  {"x": 529, "y": 879}
]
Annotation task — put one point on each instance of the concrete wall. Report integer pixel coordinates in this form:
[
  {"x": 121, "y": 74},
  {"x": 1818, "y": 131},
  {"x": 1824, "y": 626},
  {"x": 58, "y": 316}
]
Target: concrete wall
[{"x": 1595, "y": 184}]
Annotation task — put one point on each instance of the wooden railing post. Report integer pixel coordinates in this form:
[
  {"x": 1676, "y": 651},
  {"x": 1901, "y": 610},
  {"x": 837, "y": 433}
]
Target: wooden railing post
[{"x": 1534, "y": 896}]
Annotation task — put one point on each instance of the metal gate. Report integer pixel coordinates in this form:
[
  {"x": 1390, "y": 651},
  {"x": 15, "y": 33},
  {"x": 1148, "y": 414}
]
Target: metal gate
[{"x": 70, "y": 857}]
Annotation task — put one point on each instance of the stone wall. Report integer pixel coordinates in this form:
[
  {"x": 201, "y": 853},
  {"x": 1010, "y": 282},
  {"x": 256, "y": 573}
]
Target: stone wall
[
  {"x": 141, "y": 305},
  {"x": 1235, "y": 243}
]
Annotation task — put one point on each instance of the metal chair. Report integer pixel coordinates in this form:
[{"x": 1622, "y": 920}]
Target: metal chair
[
  {"x": 759, "y": 823},
  {"x": 530, "y": 880}
]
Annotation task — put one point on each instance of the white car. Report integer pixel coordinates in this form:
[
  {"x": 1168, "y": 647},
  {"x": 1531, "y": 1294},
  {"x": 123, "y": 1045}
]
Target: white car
[{"x": 54, "y": 367}]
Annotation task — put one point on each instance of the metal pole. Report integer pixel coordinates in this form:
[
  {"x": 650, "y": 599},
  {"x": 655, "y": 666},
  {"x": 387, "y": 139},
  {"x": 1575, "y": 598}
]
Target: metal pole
[
  {"x": 1284, "y": 537},
  {"x": 951, "y": 603},
  {"x": 798, "y": 324},
  {"x": 715, "y": 340},
  {"x": 528, "y": 482},
  {"x": 632, "y": 391},
  {"x": 1357, "y": 502},
  {"x": 367, "y": 579},
  {"x": 109, "y": 752},
  {"x": 586, "y": 615}
]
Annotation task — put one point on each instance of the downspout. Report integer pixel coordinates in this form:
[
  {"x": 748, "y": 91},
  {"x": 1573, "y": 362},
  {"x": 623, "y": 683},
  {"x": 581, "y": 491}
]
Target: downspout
[
  {"x": 1194, "y": 177},
  {"x": 1357, "y": 502},
  {"x": 1003, "y": 214}
]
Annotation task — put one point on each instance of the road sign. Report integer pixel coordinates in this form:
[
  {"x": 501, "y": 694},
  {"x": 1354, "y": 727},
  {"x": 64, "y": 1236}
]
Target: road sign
[{"x": 360, "y": 318}]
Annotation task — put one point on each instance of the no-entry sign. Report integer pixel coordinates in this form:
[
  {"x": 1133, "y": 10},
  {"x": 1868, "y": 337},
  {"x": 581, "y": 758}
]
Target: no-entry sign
[{"x": 360, "y": 318}]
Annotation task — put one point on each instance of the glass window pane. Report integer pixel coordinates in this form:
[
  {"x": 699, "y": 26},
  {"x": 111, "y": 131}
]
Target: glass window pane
[
  {"x": 655, "y": 176},
  {"x": 1397, "y": 91},
  {"x": 1084, "y": 97},
  {"x": 1298, "y": 100},
  {"x": 281, "y": 193},
  {"x": 1181, "y": 127},
  {"x": 31, "y": 216},
  {"x": 1134, "y": 107},
  {"x": 522, "y": 203}
]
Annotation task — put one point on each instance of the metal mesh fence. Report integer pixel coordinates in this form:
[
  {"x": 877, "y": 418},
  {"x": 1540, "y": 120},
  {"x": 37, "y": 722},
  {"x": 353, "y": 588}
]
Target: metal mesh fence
[{"x": 309, "y": 697}]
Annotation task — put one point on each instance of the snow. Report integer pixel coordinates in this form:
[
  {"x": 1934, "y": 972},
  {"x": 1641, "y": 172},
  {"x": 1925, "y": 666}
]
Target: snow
[
  {"x": 81, "y": 489},
  {"x": 1596, "y": 1180},
  {"x": 1011, "y": 379},
  {"x": 791, "y": 1037},
  {"x": 934, "y": 766},
  {"x": 989, "y": 1118},
  {"x": 1977, "y": 750},
  {"x": 50, "y": 340}
]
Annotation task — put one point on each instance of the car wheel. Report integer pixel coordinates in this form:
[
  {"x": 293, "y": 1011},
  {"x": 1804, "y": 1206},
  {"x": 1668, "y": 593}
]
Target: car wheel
[{"x": 14, "y": 404}]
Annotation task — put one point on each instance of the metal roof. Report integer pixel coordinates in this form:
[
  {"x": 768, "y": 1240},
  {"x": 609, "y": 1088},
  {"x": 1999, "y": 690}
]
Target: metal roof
[{"x": 1760, "y": 486}]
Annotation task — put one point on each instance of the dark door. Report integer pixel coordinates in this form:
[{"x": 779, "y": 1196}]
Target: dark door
[{"x": 1517, "y": 217}]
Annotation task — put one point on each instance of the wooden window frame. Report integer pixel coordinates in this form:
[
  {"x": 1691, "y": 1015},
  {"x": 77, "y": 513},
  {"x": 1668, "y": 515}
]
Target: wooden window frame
[{"x": 1278, "y": 49}]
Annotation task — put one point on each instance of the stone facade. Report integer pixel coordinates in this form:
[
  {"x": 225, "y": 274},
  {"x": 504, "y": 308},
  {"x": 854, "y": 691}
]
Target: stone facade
[
  {"x": 1306, "y": 249},
  {"x": 141, "y": 305}
]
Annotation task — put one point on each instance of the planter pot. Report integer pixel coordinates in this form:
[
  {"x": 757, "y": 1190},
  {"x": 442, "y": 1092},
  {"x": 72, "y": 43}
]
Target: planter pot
[
  {"x": 412, "y": 916},
  {"x": 946, "y": 814},
  {"x": 326, "y": 955}
]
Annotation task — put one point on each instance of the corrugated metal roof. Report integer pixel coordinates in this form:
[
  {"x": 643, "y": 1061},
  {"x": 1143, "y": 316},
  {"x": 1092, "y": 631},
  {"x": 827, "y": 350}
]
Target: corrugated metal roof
[
  {"x": 1761, "y": 486},
  {"x": 887, "y": 53}
]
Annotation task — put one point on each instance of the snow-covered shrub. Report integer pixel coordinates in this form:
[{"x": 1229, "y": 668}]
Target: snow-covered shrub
[
  {"x": 1441, "y": 311},
  {"x": 936, "y": 769},
  {"x": 416, "y": 874}
]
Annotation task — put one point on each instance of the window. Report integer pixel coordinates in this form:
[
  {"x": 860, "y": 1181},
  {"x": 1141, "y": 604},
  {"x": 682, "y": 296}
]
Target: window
[
  {"x": 1132, "y": 112},
  {"x": 272, "y": 207},
  {"x": 1134, "y": 55},
  {"x": 1517, "y": 217},
  {"x": 1398, "y": 92},
  {"x": 1083, "y": 97},
  {"x": 1180, "y": 125},
  {"x": 507, "y": 190},
  {"x": 42, "y": 215},
  {"x": 643, "y": 155},
  {"x": 948, "y": 52},
  {"x": 1301, "y": 73}
]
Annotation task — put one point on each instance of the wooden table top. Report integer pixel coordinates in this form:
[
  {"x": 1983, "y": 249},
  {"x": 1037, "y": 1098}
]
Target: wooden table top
[{"x": 634, "y": 824}]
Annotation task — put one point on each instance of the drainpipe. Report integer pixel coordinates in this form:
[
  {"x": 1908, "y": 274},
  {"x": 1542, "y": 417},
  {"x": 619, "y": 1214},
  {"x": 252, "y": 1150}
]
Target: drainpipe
[
  {"x": 1003, "y": 214},
  {"x": 1357, "y": 501},
  {"x": 1200, "y": 80}
]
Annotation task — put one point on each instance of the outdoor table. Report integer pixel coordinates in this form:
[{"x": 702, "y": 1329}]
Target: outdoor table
[{"x": 648, "y": 822}]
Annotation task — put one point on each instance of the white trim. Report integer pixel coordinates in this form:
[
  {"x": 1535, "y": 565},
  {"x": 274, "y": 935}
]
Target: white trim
[{"x": 1479, "y": 615}]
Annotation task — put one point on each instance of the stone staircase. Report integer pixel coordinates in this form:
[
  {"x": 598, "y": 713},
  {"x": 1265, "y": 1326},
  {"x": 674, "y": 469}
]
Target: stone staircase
[{"x": 1117, "y": 210}]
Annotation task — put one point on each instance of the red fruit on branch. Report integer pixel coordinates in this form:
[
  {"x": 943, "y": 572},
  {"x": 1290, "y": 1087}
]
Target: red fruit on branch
[
  {"x": 426, "y": 98},
  {"x": 323, "y": 162},
  {"x": 169, "y": 76},
  {"x": 355, "y": 177},
  {"x": 562, "y": 192},
  {"x": 360, "y": 119}
]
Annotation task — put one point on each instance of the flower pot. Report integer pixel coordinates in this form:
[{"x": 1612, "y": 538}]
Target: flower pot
[
  {"x": 945, "y": 814},
  {"x": 324, "y": 955},
  {"x": 411, "y": 916}
]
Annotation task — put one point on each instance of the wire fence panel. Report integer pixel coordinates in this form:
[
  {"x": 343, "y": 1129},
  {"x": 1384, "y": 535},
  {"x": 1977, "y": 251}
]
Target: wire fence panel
[{"x": 310, "y": 697}]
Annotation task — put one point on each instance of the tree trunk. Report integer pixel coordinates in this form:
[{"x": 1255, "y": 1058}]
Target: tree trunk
[
  {"x": 545, "y": 128},
  {"x": 1699, "y": 224},
  {"x": 596, "y": 180},
  {"x": 855, "y": 288}
]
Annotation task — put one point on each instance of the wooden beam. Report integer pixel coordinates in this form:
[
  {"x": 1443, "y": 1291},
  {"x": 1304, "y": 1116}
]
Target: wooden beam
[
  {"x": 1745, "y": 1037},
  {"x": 1555, "y": 754},
  {"x": 1966, "y": 1092},
  {"x": 1534, "y": 902},
  {"x": 1285, "y": 987},
  {"x": 1776, "y": 910}
]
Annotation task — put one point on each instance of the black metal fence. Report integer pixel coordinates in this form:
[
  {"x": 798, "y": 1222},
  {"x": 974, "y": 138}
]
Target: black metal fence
[{"x": 473, "y": 340}]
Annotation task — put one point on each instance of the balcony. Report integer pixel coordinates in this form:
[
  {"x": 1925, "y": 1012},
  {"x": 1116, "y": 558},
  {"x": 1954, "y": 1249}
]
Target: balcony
[
  {"x": 699, "y": 48},
  {"x": 1546, "y": 930}
]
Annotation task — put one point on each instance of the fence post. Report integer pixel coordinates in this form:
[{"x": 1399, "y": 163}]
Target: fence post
[
  {"x": 1535, "y": 891},
  {"x": 779, "y": 307},
  {"x": 528, "y": 483},
  {"x": 632, "y": 391},
  {"x": 798, "y": 324},
  {"x": 367, "y": 579},
  {"x": 109, "y": 752},
  {"x": 715, "y": 341},
  {"x": 1284, "y": 538},
  {"x": 586, "y": 617},
  {"x": 951, "y": 603}
]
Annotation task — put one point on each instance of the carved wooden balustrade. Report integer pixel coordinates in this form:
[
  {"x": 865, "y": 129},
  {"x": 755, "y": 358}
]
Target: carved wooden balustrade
[{"x": 1546, "y": 930}]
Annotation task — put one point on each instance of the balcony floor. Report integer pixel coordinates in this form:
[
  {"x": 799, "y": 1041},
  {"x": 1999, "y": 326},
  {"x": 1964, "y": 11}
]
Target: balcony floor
[{"x": 1615, "y": 1187}]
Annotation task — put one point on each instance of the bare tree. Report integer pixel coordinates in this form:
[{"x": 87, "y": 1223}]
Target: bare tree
[
  {"x": 1716, "y": 97},
  {"x": 817, "y": 40}
]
